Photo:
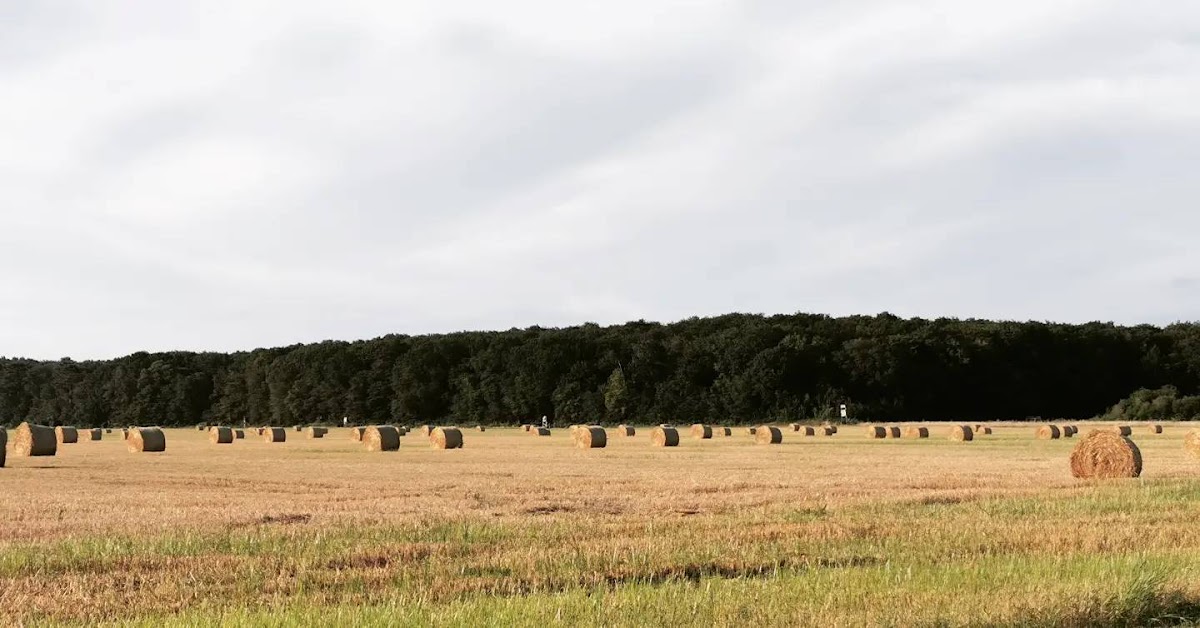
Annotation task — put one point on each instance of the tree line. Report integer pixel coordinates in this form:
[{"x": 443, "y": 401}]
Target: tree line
[{"x": 737, "y": 368}]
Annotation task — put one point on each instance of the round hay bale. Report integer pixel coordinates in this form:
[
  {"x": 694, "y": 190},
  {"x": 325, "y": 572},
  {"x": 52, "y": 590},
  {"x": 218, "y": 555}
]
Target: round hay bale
[
  {"x": 3, "y": 445},
  {"x": 1154, "y": 428},
  {"x": 828, "y": 430},
  {"x": 1123, "y": 430},
  {"x": 1069, "y": 430},
  {"x": 380, "y": 437},
  {"x": 298, "y": 428},
  {"x": 768, "y": 435},
  {"x": 34, "y": 440},
  {"x": 626, "y": 430},
  {"x": 426, "y": 430},
  {"x": 751, "y": 431},
  {"x": 894, "y": 432},
  {"x": 1048, "y": 432},
  {"x": 218, "y": 435},
  {"x": 795, "y": 427},
  {"x": 807, "y": 430},
  {"x": 916, "y": 432},
  {"x": 701, "y": 431},
  {"x": 239, "y": 434},
  {"x": 317, "y": 432},
  {"x": 274, "y": 435},
  {"x": 962, "y": 433},
  {"x": 540, "y": 431},
  {"x": 403, "y": 429},
  {"x": 723, "y": 431},
  {"x": 356, "y": 433},
  {"x": 108, "y": 430},
  {"x": 983, "y": 430},
  {"x": 93, "y": 434},
  {"x": 1191, "y": 443},
  {"x": 663, "y": 436},
  {"x": 66, "y": 435},
  {"x": 146, "y": 439},
  {"x": 446, "y": 438},
  {"x": 260, "y": 430},
  {"x": 481, "y": 428},
  {"x": 1104, "y": 454},
  {"x": 876, "y": 431},
  {"x": 526, "y": 427},
  {"x": 591, "y": 437}
]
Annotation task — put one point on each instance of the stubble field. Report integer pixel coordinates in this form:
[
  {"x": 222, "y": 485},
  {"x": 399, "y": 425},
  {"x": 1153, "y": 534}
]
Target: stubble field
[{"x": 516, "y": 529}]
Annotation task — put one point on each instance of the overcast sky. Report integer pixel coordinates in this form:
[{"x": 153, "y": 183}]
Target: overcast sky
[{"x": 229, "y": 175}]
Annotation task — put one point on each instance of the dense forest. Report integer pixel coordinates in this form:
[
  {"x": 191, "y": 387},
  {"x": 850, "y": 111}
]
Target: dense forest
[{"x": 730, "y": 369}]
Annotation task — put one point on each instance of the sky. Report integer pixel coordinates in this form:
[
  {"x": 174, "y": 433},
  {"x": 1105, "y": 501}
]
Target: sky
[{"x": 228, "y": 175}]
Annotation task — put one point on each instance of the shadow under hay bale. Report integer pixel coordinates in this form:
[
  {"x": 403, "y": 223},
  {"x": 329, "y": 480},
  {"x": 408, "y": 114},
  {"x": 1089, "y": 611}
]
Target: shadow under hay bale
[
  {"x": 916, "y": 432},
  {"x": 146, "y": 440},
  {"x": 1105, "y": 454},
  {"x": 1048, "y": 432},
  {"x": 446, "y": 438},
  {"x": 768, "y": 435},
  {"x": 663, "y": 436},
  {"x": 381, "y": 438},
  {"x": 962, "y": 433},
  {"x": 219, "y": 435},
  {"x": 35, "y": 440}
]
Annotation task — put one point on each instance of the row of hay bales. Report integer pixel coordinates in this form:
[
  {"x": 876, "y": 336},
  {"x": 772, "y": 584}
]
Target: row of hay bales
[
  {"x": 32, "y": 439},
  {"x": 962, "y": 433}
]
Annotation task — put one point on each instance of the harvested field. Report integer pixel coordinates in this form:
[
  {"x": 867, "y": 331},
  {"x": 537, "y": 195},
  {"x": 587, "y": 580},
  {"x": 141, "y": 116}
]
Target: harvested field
[{"x": 813, "y": 531}]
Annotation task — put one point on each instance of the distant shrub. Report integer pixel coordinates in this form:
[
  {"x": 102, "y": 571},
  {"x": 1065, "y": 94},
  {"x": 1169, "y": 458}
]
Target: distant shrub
[{"x": 1161, "y": 404}]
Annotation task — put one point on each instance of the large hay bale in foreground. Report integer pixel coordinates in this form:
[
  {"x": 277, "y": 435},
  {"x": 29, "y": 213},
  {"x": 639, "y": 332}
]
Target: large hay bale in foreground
[
  {"x": 1191, "y": 443},
  {"x": 446, "y": 438},
  {"x": 701, "y": 431},
  {"x": 893, "y": 432},
  {"x": 274, "y": 435},
  {"x": 239, "y": 434},
  {"x": 146, "y": 439},
  {"x": 1123, "y": 430},
  {"x": 93, "y": 434},
  {"x": 219, "y": 435},
  {"x": 317, "y": 432},
  {"x": 626, "y": 430},
  {"x": 540, "y": 431},
  {"x": 1048, "y": 432},
  {"x": 962, "y": 433},
  {"x": 1104, "y": 454},
  {"x": 591, "y": 437},
  {"x": 916, "y": 432},
  {"x": 66, "y": 435},
  {"x": 663, "y": 436},
  {"x": 380, "y": 438},
  {"x": 356, "y": 433},
  {"x": 768, "y": 435},
  {"x": 34, "y": 440},
  {"x": 876, "y": 431}
]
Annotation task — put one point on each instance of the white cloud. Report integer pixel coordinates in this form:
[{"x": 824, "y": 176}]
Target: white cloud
[{"x": 236, "y": 174}]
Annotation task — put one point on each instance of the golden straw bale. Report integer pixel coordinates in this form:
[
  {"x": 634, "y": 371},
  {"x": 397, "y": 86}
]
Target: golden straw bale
[
  {"x": 962, "y": 433},
  {"x": 146, "y": 439},
  {"x": 526, "y": 427},
  {"x": 663, "y": 436},
  {"x": 1154, "y": 428},
  {"x": 1048, "y": 432},
  {"x": 93, "y": 434},
  {"x": 830, "y": 428},
  {"x": 218, "y": 435},
  {"x": 381, "y": 438},
  {"x": 481, "y": 428},
  {"x": 916, "y": 432},
  {"x": 274, "y": 435},
  {"x": 426, "y": 430},
  {"x": 701, "y": 431},
  {"x": 626, "y": 430},
  {"x": 66, "y": 435},
  {"x": 356, "y": 433},
  {"x": 316, "y": 432},
  {"x": 239, "y": 434},
  {"x": 768, "y": 435},
  {"x": 35, "y": 440},
  {"x": 876, "y": 431},
  {"x": 446, "y": 438},
  {"x": 1105, "y": 454},
  {"x": 591, "y": 437},
  {"x": 983, "y": 430},
  {"x": 795, "y": 427},
  {"x": 893, "y": 432},
  {"x": 1191, "y": 443},
  {"x": 540, "y": 431}
]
